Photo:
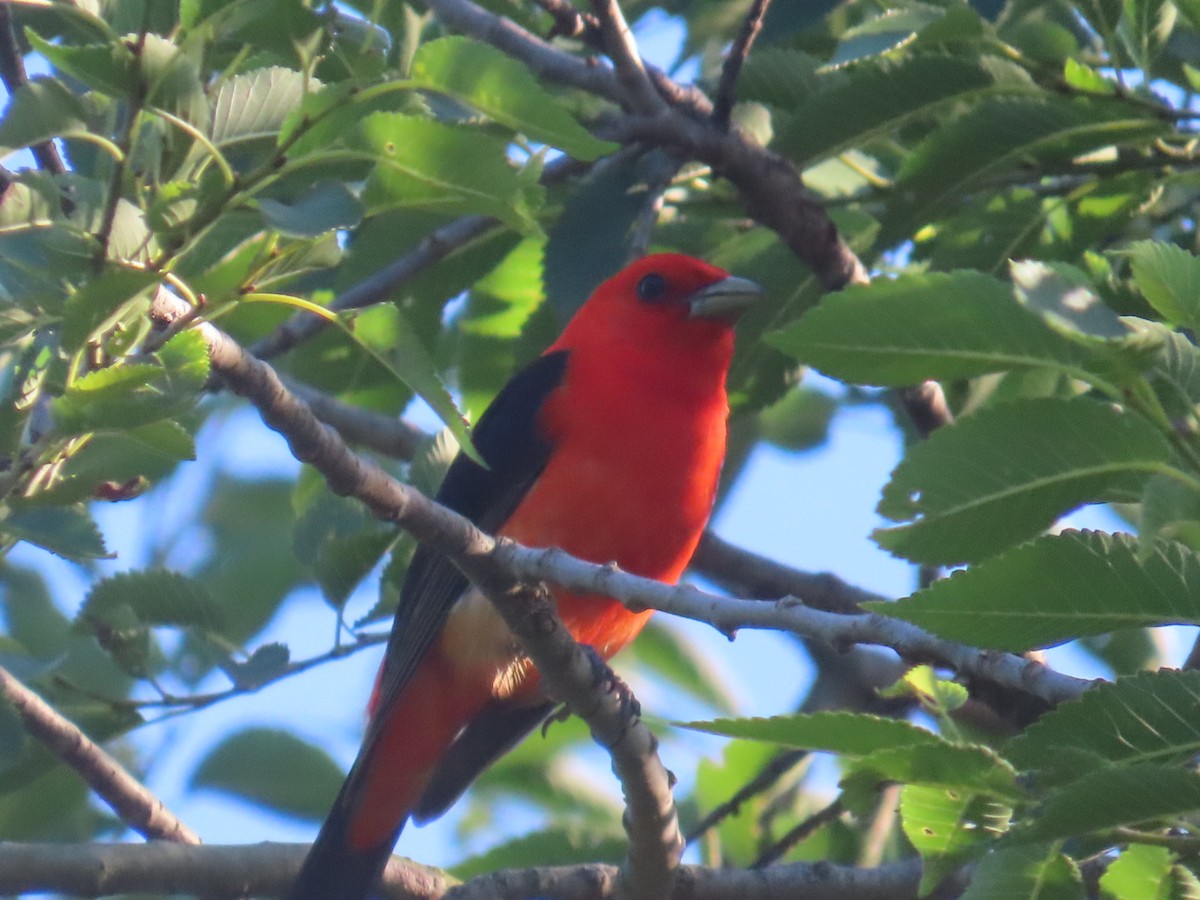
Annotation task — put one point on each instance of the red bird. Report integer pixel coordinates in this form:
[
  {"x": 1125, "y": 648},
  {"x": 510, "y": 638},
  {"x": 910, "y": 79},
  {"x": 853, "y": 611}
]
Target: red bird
[{"x": 608, "y": 446}]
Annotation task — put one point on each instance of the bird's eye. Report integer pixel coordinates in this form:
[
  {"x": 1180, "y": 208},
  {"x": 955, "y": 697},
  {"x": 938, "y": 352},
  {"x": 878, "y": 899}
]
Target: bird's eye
[{"x": 652, "y": 287}]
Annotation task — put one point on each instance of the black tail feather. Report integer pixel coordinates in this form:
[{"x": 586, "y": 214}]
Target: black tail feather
[{"x": 334, "y": 869}]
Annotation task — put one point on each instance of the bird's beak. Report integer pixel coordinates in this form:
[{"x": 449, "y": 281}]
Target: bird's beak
[{"x": 726, "y": 299}]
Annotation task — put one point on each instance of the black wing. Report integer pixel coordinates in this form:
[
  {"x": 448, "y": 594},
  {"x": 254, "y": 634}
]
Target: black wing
[{"x": 507, "y": 437}]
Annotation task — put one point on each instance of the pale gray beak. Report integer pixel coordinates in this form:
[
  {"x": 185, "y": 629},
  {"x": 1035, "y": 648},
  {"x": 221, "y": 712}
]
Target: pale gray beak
[{"x": 725, "y": 300}]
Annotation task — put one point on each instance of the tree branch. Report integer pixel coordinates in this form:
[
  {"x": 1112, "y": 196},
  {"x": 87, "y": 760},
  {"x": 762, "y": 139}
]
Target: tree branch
[
  {"x": 12, "y": 72},
  {"x": 92, "y": 870},
  {"x": 640, "y": 93},
  {"x": 771, "y": 189},
  {"x": 732, "y": 68},
  {"x": 128, "y": 797},
  {"x": 267, "y": 870},
  {"x": 729, "y": 614},
  {"x": 387, "y": 435},
  {"x": 798, "y": 833},
  {"x": 543, "y": 58},
  {"x": 748, "y": 574}
]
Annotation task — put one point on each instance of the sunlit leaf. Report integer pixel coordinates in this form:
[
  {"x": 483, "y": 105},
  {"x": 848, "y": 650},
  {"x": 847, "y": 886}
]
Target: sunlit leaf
[
  {"x": 1006, "y": 473},
  {"x": 504, "y": 89},
  {"x": 1059, "y": 587}
]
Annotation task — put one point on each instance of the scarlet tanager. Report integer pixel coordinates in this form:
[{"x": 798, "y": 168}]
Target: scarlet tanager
[{"x": 608, "y": 446}]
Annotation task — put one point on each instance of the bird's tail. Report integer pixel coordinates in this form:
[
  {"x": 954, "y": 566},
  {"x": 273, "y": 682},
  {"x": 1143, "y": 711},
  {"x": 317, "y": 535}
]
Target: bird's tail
[
  {"x": 402, "y": 748},
  {"x": 336, "y": 867}
]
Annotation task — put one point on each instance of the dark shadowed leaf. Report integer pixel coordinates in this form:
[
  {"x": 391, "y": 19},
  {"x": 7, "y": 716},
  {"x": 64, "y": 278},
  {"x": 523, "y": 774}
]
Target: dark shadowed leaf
[
  {"x": 1125, "y": 795},
  {"x": 66, "y": 531},
  {"x": 38, "y": 111},
  {"x": 1032, "y": 872},
  {"x": 876, "y": 98},
  {"x": 273, "y": 768},
  {"x": 326, "y": 207},
  {"x": 1169, "y": 278},
  {"x": 1152, "y": 717}
]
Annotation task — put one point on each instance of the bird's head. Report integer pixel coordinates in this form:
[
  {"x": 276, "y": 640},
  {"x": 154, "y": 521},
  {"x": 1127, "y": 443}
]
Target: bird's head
[{"x": 664, "y": 302}]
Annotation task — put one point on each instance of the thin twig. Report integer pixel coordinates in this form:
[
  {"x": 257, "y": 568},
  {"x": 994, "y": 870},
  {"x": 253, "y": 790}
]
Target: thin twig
[
  {"x": 774, "y": 770},
  {"x": 640, "y": 92},
  {"x": 570, "y": 22},
  {"x": 387, "y": 435},
  {"x": 801, "y": 832},
  {"x": 732, "y": 68},
  {"x": 436, "y": 246},
  {"x": 12, "y": 72},
  {"x": 128, "y": 797}
]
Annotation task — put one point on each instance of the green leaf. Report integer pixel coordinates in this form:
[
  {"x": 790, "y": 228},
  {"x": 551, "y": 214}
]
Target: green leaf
[
  {"x": 172, "y": 78},
  {"x": 273, "y": 768},
  {"x": 887, "y": 31},
  {"x": 1175, "y": 371},
  {"x": 852, "y": 734},
  {"x": 1171, "y": 510},
  {"x": 941, "y": 821},
  {"x": 502, "y": 301},
  {"x": 1057, "y": 588},
  {"x": 109, "y": 67},
  {"x": 1064, "y": 295},
  {"x": 900, "y": 332},
  {"x": 156, "y": 597},
  {"x": 13, "y": 736},
  {"x": 1139, "y": 873},
  {"x": 1085, "y": 78},
  {"x": 38, "y": 111},
  {"x": 265, "y": 664},
  {"x": 1032, "y": 872},
  {"x": 1151, "y": 717},
  {"x": 66, "y": 531},
  {"x": 342, "y": 564},
  {"x": 1008, "y": 472},
  {"x": 877, "y": 98},
  {"x": 428, "y": 165},
  {"x": 394, "y": 342},
  {"x": 1169, "y": 278},
  {"x": 254, "y": 105},
  {"x": 98, "y": 299},
  {"x": 1126, "y": 795},
  {"x": 504, "y": 89},
  {"x": 782, "y": 77},
  {"x": 591, "y": 239},
  {"x": 966, "y": 767},
  {"x": 134, "y": 394},
  {"x": 1000, "y": 135},
  {"x": 327, "y": 206}
]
